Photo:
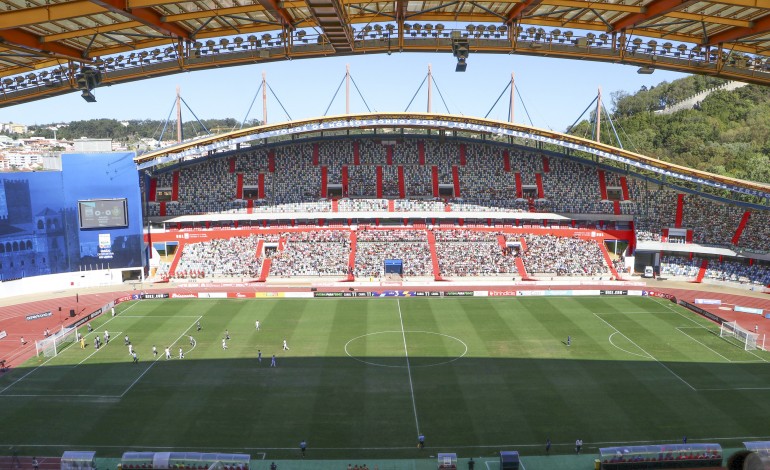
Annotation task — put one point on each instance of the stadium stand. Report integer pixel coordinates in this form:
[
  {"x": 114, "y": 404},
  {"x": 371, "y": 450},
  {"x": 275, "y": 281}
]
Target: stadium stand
[
  {"x": 312, "y": 253},
  {"x": 563, "y": 256},
  {"x": 375, "y": 246}
]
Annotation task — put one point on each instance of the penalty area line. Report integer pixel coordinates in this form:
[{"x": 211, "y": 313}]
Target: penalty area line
[{"x": 184, "y": 333}]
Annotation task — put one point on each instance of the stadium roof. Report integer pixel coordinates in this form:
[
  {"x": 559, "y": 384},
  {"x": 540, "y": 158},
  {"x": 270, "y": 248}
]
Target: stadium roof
[
  {"x": 389, "y": 123},
  {"x": 45, "y": 44}
]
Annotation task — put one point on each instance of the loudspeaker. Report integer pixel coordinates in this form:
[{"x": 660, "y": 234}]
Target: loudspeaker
[{"x": 72, "y": 312}]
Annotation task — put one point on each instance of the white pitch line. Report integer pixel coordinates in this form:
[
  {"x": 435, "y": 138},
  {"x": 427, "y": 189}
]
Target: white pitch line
[
  {"x": 97, "y": 350},
  {"x": 648, "y": 354},
  {"x": 408, "y": 367},
  {"x": 702, "y": 344},
  {"x": 184, "y": 333},
  {"x": 50, "y": 359},
  {"x": 704, "y": 327}
]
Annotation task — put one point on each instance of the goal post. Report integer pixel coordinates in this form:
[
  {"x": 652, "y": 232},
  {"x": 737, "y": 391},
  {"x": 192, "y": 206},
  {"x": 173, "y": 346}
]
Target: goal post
[
  {"x": 54, "y": 344},
  {"x": 747, "y": 339}
]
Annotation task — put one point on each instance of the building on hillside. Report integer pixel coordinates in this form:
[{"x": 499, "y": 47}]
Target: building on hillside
[{"x": 86, "y": 145}]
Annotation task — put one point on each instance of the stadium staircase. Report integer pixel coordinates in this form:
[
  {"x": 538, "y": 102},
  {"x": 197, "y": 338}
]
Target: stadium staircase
[
  {"x": 704, "y": 264},
  {"x": 260, "y": 247},
  {"x": 741, "y": 227},
  {"x": 679, "y": 210},
  {"x": 434, "y": 256},
  {"x": 265, "y": 271},
  {"x": 175, "y": 261},
  {"x": 352, "y": 257},
  {"x": 335, "y": 205},
  {"x": 602, "y": 184},
  {"x": 520, "y": 262},
  {"x": 616, "y": 207},
  {"x": 608, "y": 260}
]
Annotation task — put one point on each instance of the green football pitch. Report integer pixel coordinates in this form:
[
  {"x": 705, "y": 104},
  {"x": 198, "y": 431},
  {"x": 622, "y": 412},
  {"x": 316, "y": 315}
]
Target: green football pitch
[{"x": 363, "y": 377}]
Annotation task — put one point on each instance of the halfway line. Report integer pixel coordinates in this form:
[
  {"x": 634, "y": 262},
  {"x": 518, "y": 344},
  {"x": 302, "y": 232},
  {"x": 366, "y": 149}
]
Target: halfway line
[{"x": 408, "y": 367}]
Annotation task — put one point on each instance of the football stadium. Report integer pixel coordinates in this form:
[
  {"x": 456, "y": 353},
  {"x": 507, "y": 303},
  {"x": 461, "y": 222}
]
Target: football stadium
[{"x": 384, "y": 290}]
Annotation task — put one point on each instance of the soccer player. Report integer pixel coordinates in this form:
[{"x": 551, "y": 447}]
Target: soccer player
[
  {"x": 303, "y": 447},
  {"x": 192, "y": 341},
  {"x": 272, "y": 362},
  {"x": 113, "y": 311},
  {"x": 578, "y": 445},
  {"x": 130, "y": 349},
  {"x": 569, "y": 340},
  {"x": 154, "y": 351},
  {"x": 181, "y": 353},
  {"x": 35, "y": 464},
  {"x": 421, "y": 441},
  {"x": 199, "y": 325},
  {"x": 548, "y": 445},
  {"x": 22, "y": 341},
  {"x": 89, "y": 327},
  {"x": 136, "y": 358},
  {"x": 227, "y": 335},
  {"x": 168, "y": 353},
  {"x": 82, "y": 343},
  {"x": 127, "y": 341},
  {"x": 285, "y": 346},
  {"x": 257, "y": 325},
  {"x": 224, "y": 343}
]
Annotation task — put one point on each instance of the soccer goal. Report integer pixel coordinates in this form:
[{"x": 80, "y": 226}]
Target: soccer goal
[
  {"x": 54, "y": 344},
  {"x": 747, "y": 339}
]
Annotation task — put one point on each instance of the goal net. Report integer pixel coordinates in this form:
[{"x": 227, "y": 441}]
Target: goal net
[
  {"x": 54, "y": 344},
  {"x": 746, "y": 338}
]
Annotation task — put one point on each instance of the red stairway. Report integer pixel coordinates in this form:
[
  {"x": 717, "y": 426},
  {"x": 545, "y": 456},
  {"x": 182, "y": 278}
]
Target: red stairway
[
  {"x": 352, "y": 257},
  {"x": 265, "y": 269},
  {"x": 608, "y": 260},
  {"x": 741, "y": 227},
  {"x": 704, "y": 264},
  {"x": 679, "y": 210},
  {"x": 522, "y": 270},
  {"x": 434, "y": 256}
]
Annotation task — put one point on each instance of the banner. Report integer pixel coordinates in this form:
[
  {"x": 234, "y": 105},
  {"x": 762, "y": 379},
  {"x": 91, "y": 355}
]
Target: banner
[
  {"x": 702, "y": 312},
  {"x": 502, "y": 293},
  {"x": 39, "y": 315},
  {"x": 342, "y": 294},
  {"x": 660, "y": 295},
  {"x": 708, "y": 301},
  {"x": 756, "y": 311},
  {"x": 613, "y": 292},
  {"x": 3, "y": 334},
  {"x": 191, "y": 295},
  {"x": 155, "y": 296}
]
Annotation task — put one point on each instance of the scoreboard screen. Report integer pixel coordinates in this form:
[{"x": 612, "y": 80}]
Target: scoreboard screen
[{"x": 103, "y": 213}]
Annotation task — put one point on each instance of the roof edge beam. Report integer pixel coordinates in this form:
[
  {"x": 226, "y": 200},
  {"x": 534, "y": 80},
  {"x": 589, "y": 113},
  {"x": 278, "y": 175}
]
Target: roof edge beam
[
  {"x": 146, "y": 16},
  {"x": 654, "y": 10},
  {"x": 759, "y": 26}
]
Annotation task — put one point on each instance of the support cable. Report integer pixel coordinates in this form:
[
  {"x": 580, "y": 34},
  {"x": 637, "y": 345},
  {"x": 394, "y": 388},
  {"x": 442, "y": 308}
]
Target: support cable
[{"x": 251, "y": 106}]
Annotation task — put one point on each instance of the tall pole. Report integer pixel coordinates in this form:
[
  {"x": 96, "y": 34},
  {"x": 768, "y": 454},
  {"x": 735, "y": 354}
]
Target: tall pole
[
  {"x": 430, "y": 88},
  {"x": 179, "y": 136},
  {"x": 513, "y": 95},
  {"x": 599, "y": 115},
  {"x": 264, "y": 98},
  {"x": 347, "y": 88}
]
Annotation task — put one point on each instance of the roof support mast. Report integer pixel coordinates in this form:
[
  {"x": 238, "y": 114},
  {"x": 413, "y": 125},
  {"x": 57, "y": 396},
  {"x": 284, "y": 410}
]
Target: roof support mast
[
  {"x": 347, "y": 88},
  {"x": 179, "y": 136},
  {"x": 513, "y": 94},
  {"x": 430, "y": 89},
  {"x": 599, "y": 115},
  {"x": 264, "y": 98}
]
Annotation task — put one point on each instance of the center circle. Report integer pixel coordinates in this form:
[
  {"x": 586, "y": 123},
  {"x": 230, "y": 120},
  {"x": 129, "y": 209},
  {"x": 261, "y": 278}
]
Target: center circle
[{"x": 391, "y": 348}]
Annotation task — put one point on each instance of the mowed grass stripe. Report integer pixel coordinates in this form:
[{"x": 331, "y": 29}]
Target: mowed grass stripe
[{"x": 518, "y": 385}]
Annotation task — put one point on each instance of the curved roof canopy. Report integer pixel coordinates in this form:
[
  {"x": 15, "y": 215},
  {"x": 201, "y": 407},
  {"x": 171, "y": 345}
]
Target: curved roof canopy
[
  {"x": 50, "y": 47},
  {"x": 390, "y": 124}
]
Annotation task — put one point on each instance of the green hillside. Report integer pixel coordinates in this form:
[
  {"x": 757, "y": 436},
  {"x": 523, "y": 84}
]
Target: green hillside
[{"x": 729, "y": 134}]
